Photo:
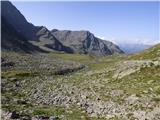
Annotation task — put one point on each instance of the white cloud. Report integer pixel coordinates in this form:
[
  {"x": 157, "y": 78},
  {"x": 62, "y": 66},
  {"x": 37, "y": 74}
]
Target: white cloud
[
  {"x": 145, "y": 41},
  {"x": 136, "y": 41},
  {"x": 149, "y": 42},
  {"x": 103, "y": 38},
  {"x": 113, "y": 40}
]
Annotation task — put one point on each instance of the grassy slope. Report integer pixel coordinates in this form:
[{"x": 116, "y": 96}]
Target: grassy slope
[
  {"x": 97, "y": 75},
  {"x": 151, "y": 53}
]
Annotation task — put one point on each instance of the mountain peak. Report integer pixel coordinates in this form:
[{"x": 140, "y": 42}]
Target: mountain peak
[{"x": 84, "y": 42}]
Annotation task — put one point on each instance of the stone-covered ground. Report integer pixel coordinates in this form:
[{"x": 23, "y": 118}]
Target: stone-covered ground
[{"x": 61, "y": 86}]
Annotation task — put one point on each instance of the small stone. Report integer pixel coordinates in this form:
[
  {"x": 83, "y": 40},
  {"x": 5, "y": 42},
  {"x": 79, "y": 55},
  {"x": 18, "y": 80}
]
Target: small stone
[
  {"x": 15, "y": 115},
  {"x": 93, "y": 115},
  {"x": 98, "y": 99},
  {"x": 53, "y": 118}
]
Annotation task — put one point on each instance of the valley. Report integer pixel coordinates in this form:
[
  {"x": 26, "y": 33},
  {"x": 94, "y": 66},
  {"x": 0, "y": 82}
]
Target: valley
[
  {"x": 73, "y": 74},
  {"x": 112, "y": 87}
]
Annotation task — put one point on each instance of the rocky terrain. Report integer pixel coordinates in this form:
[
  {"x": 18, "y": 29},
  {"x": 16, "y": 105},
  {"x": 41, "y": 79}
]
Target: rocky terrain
[
  {"x": 72, "y": 86},
  {"x": 40, "y": 80}
]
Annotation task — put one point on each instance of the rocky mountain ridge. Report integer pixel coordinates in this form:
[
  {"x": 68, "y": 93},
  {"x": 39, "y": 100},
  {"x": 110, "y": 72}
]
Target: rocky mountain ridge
[{"x": 82, "y": 42}]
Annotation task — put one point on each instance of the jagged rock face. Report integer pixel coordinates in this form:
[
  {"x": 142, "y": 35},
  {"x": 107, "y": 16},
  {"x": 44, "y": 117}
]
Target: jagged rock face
[
  {"x": 84, "y": 42},
  {"x": 45, "y": 36},
  {"x": 112, "y": 47},
  {"x": 17, "y": 20}
]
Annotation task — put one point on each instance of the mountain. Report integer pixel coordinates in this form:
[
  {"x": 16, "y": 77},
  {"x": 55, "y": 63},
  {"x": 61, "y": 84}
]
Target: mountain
[
  {"x": 64, "y": 86},
  {"x": 46, "y": 39},
  {"x": 84, "y": 42},
  {"x": 133, "y": 48},
  {"x": 15, "y": 20},
  {"x": 14, "y": 41}
]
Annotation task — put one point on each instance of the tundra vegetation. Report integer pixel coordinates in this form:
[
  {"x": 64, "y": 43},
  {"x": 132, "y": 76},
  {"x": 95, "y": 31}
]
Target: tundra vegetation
[{"x": 62, "y": 86}]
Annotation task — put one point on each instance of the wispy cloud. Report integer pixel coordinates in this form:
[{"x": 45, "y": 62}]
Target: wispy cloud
[
  {"x": 145, "y": 41},
  {"x": 149, "y": 42}
]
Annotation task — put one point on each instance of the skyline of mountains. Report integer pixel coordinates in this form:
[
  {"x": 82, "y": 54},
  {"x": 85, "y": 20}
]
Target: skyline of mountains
[
  {"x": 82, "y": 42},
  {"x": 134, "y": 47}
]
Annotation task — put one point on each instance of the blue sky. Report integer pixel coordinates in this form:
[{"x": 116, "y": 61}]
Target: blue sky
[{"x": 129, "y": 22}]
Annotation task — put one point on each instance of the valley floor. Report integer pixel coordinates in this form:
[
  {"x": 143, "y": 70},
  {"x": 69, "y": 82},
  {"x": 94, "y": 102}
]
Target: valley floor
[{"x": 62, "y": 86}]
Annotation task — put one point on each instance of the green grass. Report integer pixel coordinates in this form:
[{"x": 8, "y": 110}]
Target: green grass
[
  {"x": 15, "y": 73},
  {"x": 136, "y": 83},
  {"x": 72, "y": 113},
  {"x": 74, "y": 57}
]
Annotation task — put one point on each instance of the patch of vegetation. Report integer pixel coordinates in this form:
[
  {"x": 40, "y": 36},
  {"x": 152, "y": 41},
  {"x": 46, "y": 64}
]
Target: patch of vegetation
[
  {"x": 74, "y": 57},
  {"x": 7, "y": 64},
  {"x": 10, "y": 74},
  {"x": 136, "y": 83},
  {"x": 62, "y": 113},
  {"x": 156, "y": 99},
  {"x": 95, "y": 83}
]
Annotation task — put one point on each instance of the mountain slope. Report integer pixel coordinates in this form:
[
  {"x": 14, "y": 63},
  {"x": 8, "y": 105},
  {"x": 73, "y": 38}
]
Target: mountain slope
[
  {"x": 29, "y": 32},
  {"x": 13, "y": 41},
  {"x": 17, "y": 20},
  {"x": 46, "y": 39},
  {"x": 84, "y": 42},
  {"x": 92, "y": 93}
]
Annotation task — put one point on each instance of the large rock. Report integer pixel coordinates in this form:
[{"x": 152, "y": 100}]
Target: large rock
[{"x": 84, "y": 42}]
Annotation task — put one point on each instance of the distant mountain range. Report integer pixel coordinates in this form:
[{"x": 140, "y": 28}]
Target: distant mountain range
[
  {"x": 28, "y": 37},
  {"x": 133, "y": 48},
  {"x": 150, "y": 53}
]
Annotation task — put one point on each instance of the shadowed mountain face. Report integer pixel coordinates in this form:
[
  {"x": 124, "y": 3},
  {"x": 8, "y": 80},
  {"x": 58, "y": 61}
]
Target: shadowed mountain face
[
  {"x": 84, "y": 42},
  {"x": 14, "y": 41},
  {"x": 27, "y": 30},
  {"x": 17, "y": 20}
]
